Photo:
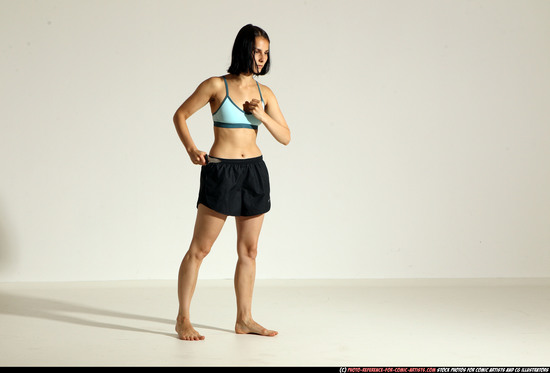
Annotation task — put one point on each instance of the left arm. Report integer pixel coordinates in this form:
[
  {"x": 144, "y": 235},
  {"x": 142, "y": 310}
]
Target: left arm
[{"x": 271, "y": 117}]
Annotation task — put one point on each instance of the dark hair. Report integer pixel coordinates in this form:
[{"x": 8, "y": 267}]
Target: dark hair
[{"x": 242, "y": 55}]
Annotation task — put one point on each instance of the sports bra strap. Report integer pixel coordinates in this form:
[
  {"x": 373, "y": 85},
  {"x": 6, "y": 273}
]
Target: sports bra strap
[
  {"x": 259, "y": 90},
  {"x": 226, "y": 88}
]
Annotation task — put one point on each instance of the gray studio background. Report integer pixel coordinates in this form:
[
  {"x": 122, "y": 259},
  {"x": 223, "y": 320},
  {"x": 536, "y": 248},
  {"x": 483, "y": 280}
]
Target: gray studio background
[{"x": 420, "y": 137}]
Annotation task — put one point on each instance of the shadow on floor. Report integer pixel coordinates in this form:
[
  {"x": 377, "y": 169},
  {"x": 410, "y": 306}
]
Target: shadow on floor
[{"x": 56, "y": 310}]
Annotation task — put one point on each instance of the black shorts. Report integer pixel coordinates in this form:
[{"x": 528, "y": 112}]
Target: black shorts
[{"x": 235, "y": 187}]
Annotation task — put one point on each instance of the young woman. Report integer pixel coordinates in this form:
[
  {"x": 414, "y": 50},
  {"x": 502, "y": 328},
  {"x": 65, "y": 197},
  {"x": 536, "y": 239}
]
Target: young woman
[{"x": 234, "y": 179}]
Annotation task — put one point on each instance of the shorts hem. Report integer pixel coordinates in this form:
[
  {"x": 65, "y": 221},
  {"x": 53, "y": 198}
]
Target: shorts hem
[{"x": 231, "y": 213}]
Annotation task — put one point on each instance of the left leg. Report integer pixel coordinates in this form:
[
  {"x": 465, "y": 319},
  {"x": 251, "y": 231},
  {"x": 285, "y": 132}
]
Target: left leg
[{"x": 248, "y": 233}]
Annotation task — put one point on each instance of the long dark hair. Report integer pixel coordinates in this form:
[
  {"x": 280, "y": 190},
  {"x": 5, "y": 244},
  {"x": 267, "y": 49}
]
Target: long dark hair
[{"x": 242, "y": 55}]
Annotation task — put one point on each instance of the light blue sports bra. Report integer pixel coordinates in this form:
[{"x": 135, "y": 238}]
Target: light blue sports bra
[{"x": 229, "y": 115}]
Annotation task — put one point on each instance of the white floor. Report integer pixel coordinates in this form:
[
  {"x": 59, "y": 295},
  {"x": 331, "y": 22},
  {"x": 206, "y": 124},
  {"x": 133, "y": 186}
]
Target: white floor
[{"x": 362, "y": 323}]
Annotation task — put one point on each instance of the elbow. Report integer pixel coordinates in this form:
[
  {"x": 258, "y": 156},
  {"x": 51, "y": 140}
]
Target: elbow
[
  {"x": 286, "y": 140},
  {"x": 176, "y": 118},
  {"x": 179, "y": 117}
]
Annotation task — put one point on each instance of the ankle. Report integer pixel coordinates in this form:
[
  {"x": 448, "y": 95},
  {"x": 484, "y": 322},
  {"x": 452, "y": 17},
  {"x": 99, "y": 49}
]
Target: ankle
[
  {"x": 244, "y": 318},
  {"x": 182, "y": 318}
]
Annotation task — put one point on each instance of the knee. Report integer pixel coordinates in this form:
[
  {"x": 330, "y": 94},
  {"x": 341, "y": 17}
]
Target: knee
[
  {"x": 248, "y": 250},
  {"x": 199, "y": 250}
]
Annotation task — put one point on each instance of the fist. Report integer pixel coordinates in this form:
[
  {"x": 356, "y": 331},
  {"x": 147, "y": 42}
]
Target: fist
[
  {"x": 254, "y": 107},
  {"x": 198, "y": 157}
]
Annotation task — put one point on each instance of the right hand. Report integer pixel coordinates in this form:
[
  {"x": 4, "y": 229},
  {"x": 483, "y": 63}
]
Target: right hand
[{"x": 198, "y": 157}]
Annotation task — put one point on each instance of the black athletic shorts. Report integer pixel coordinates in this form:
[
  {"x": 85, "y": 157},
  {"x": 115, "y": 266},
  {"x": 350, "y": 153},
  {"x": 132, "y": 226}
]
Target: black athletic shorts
[{"x": 235, "y": 187}]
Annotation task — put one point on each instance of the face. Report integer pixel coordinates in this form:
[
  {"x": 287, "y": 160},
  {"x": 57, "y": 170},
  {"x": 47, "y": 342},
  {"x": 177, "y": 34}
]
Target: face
[{"x": 261, "y": 53}]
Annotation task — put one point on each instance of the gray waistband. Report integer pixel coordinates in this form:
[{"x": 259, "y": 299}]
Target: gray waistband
[{"x": 210, "y": 159}]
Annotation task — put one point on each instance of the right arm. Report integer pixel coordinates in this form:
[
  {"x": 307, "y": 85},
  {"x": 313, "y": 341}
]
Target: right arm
[{"x": 204, "y": 93}]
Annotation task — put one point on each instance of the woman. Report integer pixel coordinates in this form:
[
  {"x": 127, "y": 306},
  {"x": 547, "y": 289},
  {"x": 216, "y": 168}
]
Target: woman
[{"x": 234, "y": 178}]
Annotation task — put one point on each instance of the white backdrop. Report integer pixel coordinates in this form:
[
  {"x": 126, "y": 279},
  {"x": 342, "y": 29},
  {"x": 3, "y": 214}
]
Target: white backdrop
[{"x": 420, "y": 137}]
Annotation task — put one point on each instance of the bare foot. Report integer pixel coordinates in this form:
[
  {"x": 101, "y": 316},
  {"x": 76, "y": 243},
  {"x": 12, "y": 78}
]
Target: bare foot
[
  {"x": 252, "y": 327},
  {"x": 186, "y": 331}
]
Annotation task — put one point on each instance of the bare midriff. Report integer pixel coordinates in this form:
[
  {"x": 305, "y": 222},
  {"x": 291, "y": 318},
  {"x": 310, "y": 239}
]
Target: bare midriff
[{"x": 235, "y": 143}]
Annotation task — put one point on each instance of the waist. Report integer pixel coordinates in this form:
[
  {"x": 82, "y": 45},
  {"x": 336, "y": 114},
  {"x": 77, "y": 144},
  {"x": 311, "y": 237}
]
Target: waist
[{"x": 234, "y": 144}]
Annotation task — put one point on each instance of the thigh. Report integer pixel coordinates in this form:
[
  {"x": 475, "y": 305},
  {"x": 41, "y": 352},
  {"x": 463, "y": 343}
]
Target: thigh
[
  {"x": 248, "y": 232},
  {"x": 208, "y": 226}
]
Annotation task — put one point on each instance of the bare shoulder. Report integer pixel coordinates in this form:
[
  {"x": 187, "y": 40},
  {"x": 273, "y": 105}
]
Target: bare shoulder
[
  {"x": 267, "y": 93},
  {"x": 211, "y": 89},
  {"x": 212, "y": 84}
]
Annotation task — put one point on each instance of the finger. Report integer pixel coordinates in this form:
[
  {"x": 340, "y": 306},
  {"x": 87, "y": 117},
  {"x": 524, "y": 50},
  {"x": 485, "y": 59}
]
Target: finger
[{"x": 254, "y": 107}]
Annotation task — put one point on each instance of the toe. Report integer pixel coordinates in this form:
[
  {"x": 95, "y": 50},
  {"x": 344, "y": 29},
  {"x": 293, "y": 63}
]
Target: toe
[{"x": 269, "y": 333}]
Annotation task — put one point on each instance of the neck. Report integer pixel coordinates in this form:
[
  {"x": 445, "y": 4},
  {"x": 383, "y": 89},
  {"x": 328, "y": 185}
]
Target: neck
[{"x": 244, "y": 79}]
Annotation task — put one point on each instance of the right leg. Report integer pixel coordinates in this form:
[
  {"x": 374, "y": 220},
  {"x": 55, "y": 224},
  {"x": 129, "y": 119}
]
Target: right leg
[{"x": 208, "y": 226}]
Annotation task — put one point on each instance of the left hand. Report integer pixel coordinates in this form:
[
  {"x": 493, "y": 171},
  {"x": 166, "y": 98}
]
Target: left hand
[{"x": 255, "y": 108}]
